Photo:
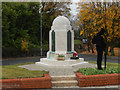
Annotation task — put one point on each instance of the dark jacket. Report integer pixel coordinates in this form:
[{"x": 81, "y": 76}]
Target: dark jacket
[{"x": 99, "y": 41}]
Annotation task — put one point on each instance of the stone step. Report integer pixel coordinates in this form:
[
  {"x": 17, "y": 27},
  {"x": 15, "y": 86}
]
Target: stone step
[
  {"x": 63, "y": 78},
  {"x": 61, "y": 71},
  {"x": 64, "y": 83},
  {"x": 65, "y": 63},
  {"x": 67, "y": 88}
]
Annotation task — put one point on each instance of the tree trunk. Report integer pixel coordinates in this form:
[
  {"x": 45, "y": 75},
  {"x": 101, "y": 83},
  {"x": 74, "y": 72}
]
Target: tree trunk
[
  {"x": 106, "y": 50},
  {"x": 92, "y": 48},
  {"x": 88, "y": 48},
  {"x": 88, "y": 45},
  {"x": 110, "y": 49}
]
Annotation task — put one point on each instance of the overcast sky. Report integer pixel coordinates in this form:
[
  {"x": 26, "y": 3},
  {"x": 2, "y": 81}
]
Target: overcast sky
[{"x": 73, "y": 7}]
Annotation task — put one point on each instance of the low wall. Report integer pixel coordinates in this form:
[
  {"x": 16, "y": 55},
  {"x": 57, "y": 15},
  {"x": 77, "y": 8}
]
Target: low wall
[
  {"x": 97, "y": 80},
  {"x": 42, "y": 82}
]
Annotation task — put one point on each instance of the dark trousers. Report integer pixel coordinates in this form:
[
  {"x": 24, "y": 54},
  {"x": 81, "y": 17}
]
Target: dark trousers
[{"x": 99, "y": 57}]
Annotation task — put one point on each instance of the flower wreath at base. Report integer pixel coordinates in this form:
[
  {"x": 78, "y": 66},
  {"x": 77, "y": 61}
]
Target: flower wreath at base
[{"x": 75, "y": 56}]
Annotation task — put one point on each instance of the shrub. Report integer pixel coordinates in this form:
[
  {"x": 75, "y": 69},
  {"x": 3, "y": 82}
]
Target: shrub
[{"x": 94, "y": 71}]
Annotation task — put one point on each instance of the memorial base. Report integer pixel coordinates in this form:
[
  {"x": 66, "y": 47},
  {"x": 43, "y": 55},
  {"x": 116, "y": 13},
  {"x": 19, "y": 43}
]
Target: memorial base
[{"x": 60, "y": 63}]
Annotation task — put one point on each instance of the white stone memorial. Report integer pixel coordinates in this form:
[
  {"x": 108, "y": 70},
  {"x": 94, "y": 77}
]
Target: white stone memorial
[{"x": 61, "y": 45}]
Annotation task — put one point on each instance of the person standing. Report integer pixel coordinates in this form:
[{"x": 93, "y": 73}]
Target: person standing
[{"x": 100, "y": 47}]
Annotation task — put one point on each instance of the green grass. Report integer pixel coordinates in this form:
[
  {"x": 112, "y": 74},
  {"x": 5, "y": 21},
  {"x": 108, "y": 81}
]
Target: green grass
[
  {"x": 77, "y": 42},
  {"x": 111, "y": 68},
  {"x": 108, "y": 64},
  {"x": 12, "y": 71}
]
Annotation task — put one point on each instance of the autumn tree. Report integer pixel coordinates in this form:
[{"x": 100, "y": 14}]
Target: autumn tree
[
  {"x": 94, "y": 16},
  {"x": 112, "y": 25}
]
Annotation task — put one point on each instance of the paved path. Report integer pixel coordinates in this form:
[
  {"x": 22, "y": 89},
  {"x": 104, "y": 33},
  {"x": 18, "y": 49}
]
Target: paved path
[
  {"x": 87, "y": 57},
  {"x": 116, "y": 87},
  {"x": 58, "y": 70}
]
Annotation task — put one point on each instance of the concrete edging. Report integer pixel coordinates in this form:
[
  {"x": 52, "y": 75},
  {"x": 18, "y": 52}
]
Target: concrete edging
[
  {"x": 97, "y": 80},
  {"x": 42, "y": 82}
]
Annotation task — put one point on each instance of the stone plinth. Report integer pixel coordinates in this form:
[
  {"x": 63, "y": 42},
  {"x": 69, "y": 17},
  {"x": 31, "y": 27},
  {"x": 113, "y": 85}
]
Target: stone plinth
[{"x": 60, "y": 63}]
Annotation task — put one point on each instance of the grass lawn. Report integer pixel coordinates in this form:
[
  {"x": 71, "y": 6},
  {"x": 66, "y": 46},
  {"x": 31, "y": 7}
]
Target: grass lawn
[
  {"x": 111, "y": 68},
  {"x": 108, "y": 64},
  {"x": 77, "y": 42},
  {"x": 12, "y": 71}
]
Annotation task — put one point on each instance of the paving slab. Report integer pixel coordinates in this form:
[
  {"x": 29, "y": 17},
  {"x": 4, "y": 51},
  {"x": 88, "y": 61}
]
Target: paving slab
[{"x": 58, "y": 70}]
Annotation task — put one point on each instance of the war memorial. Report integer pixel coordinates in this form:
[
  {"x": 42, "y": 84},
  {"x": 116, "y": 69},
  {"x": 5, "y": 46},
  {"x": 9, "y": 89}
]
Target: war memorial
[{"x": 60, "y": 60}]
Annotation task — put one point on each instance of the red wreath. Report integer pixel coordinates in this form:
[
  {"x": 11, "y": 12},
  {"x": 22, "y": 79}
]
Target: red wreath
[{"x": 74, "y": 54}]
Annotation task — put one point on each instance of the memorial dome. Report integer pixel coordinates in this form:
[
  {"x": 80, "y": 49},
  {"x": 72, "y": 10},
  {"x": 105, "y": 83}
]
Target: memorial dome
[{"x": 61, "y": 21}]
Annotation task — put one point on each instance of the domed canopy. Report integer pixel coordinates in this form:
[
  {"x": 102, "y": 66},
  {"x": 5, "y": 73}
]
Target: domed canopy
[{"x": 61, "y": 21}]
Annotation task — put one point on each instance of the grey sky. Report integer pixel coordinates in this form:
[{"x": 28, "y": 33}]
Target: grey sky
[{"x": 73, "y": 7}]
